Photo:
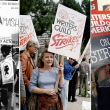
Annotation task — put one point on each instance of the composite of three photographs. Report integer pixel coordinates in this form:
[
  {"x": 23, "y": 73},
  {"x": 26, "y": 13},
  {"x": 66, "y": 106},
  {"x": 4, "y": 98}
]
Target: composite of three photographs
[{"x": 54, "y": 55}]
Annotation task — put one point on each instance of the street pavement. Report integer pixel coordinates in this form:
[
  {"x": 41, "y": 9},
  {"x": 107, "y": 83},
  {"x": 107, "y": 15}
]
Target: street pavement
[
  {"x": 71, "y": 105},
  {"x": 77, "y": 105}
]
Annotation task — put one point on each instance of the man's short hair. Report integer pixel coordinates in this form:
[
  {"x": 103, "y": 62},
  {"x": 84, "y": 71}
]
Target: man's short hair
[
  {"x": 84, "y": 59},
  {"x": 6, "y": 49},
  {"x": 31, "y": 43}
]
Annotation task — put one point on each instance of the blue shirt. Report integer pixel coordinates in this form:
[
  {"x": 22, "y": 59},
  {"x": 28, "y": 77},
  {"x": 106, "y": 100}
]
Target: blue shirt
[
  {"x": 46, "y": 80},
  {"x": 68, "y": 69}
]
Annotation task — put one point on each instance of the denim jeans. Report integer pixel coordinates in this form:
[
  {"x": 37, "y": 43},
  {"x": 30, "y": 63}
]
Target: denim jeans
[
  {"x": 83, "y": 80},
  {"x": 64, "y": 94},
  {"x": 26, "y": 103}
]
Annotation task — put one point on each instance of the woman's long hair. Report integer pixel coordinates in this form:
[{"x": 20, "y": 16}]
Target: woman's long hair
[{"x": 41, "y": 63}]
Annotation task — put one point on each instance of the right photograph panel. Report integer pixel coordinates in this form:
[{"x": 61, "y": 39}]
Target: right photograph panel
[{"x": 100, "y": 55}]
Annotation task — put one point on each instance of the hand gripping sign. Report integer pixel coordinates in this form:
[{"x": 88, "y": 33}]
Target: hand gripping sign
[
  {"x": 67, "y": 34},
  {"x": 26, "y": 31}
]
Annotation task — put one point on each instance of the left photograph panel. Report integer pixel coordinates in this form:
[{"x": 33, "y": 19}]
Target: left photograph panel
[{"x": 9, "y": 55}]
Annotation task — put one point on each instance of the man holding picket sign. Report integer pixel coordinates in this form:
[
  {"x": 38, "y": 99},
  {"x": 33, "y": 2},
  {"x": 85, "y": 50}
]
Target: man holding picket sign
[{"x": 68, "y": 69}]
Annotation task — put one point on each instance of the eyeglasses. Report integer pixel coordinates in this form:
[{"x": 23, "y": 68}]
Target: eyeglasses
[{"x": 35, "y": 48}]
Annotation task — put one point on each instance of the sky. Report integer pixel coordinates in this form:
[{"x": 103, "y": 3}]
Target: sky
[{"x": 76, "y": 0}]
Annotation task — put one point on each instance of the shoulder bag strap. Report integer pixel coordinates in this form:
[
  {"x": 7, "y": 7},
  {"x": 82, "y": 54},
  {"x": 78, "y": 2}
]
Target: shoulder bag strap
[{"x": 38, "y": 77}]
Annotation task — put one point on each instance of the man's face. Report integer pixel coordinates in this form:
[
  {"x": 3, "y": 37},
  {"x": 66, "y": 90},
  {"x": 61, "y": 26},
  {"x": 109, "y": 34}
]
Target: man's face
[
  {"x": 33, "y": 49},
  {"x": 16, "y": 57},
  {"x": 71, "y": 60}
]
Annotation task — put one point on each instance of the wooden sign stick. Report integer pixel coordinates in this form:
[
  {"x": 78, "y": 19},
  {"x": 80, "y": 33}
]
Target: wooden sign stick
[
  {"x": 93, "y": 78},
  {"x": 59, "y": 73},
  {"x": 58, "y": 59}
]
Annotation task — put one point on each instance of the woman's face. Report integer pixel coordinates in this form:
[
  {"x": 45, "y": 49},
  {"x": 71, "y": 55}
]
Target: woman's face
[{"x": 48, "y": 59}]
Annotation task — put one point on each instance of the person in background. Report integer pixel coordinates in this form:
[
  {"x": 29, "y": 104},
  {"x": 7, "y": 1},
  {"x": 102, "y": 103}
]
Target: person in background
[
  {"x": 102, "y": 85},
  {"x": 22, "y": 88},
  {"x": 84, "y": 69},
  {"x": 15, "y": 56},
  {"x": 46, "y": 74},
  {"x": 90, "y": 69},
  {"x": 68, "y": 69},
  {"x": 72, "y": 83},
  {"x": 28, "y": 64},
  {"x": 6, "y": 89}
]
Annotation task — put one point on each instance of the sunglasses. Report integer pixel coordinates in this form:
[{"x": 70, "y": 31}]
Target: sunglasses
[{"x": 71, "y": 59}]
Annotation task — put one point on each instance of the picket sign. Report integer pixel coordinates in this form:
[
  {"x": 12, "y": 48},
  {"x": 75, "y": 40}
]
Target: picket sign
[
  {"x": 7, "y": 70},
  {"x": 93, "y": 78},
  {"x": 26, "y": 31},
  {"x": 94, "y": 5},
  {"x": 100, "y": 38},
  {"x": 67, "y": 33},
  {"x": 86, "y": 52}
]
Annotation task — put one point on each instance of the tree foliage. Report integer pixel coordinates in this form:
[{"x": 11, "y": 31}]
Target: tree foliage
[
  {"x": 86, "y": 7},
  {"x": 26, "y": 6},
  {"x": 72, "y": 4},
  {"x": 43, "y": 14}
]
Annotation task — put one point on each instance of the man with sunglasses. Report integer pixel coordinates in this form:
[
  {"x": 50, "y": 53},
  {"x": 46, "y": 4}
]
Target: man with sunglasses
[
  {"x": 72, "y": 83},
  {"x": 68, "y": 69},
  {"x": 103, "y": 88}
]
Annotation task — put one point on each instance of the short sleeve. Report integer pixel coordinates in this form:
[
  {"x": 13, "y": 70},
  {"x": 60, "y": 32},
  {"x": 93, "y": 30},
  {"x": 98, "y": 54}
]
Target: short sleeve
[
  {"x": 33, "y": 81},
  {"x": 56, "y": 70}
]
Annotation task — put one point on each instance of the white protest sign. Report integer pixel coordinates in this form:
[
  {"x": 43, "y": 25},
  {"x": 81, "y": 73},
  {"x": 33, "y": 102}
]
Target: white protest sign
[
  {"x": 9, "y": 40},
  {"x": 26, "y": 31},
  {"x": 7, "y": 71},
  {"x": 9, "y": 18},
  {"x": 67, "y": 33},
  {"x": 86, "y": 52}
]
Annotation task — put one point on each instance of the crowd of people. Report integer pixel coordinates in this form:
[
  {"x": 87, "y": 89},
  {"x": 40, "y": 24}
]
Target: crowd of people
[
  {"x": 46, "y": 72},
  {"x": 10, "y": 88}
]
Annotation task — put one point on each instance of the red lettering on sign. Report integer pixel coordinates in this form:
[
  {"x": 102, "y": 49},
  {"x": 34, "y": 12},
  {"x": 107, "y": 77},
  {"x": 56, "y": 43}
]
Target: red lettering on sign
[{"x": 61, "y": 41}]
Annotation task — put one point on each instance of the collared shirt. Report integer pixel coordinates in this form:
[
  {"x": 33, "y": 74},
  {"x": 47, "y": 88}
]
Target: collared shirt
[
  {"x": 84, "y": 67},
  {"x": 68, "y": 68}
]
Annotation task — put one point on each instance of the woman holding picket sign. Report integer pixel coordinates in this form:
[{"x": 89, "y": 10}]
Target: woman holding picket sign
[{"x": 46, "y": 74}]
